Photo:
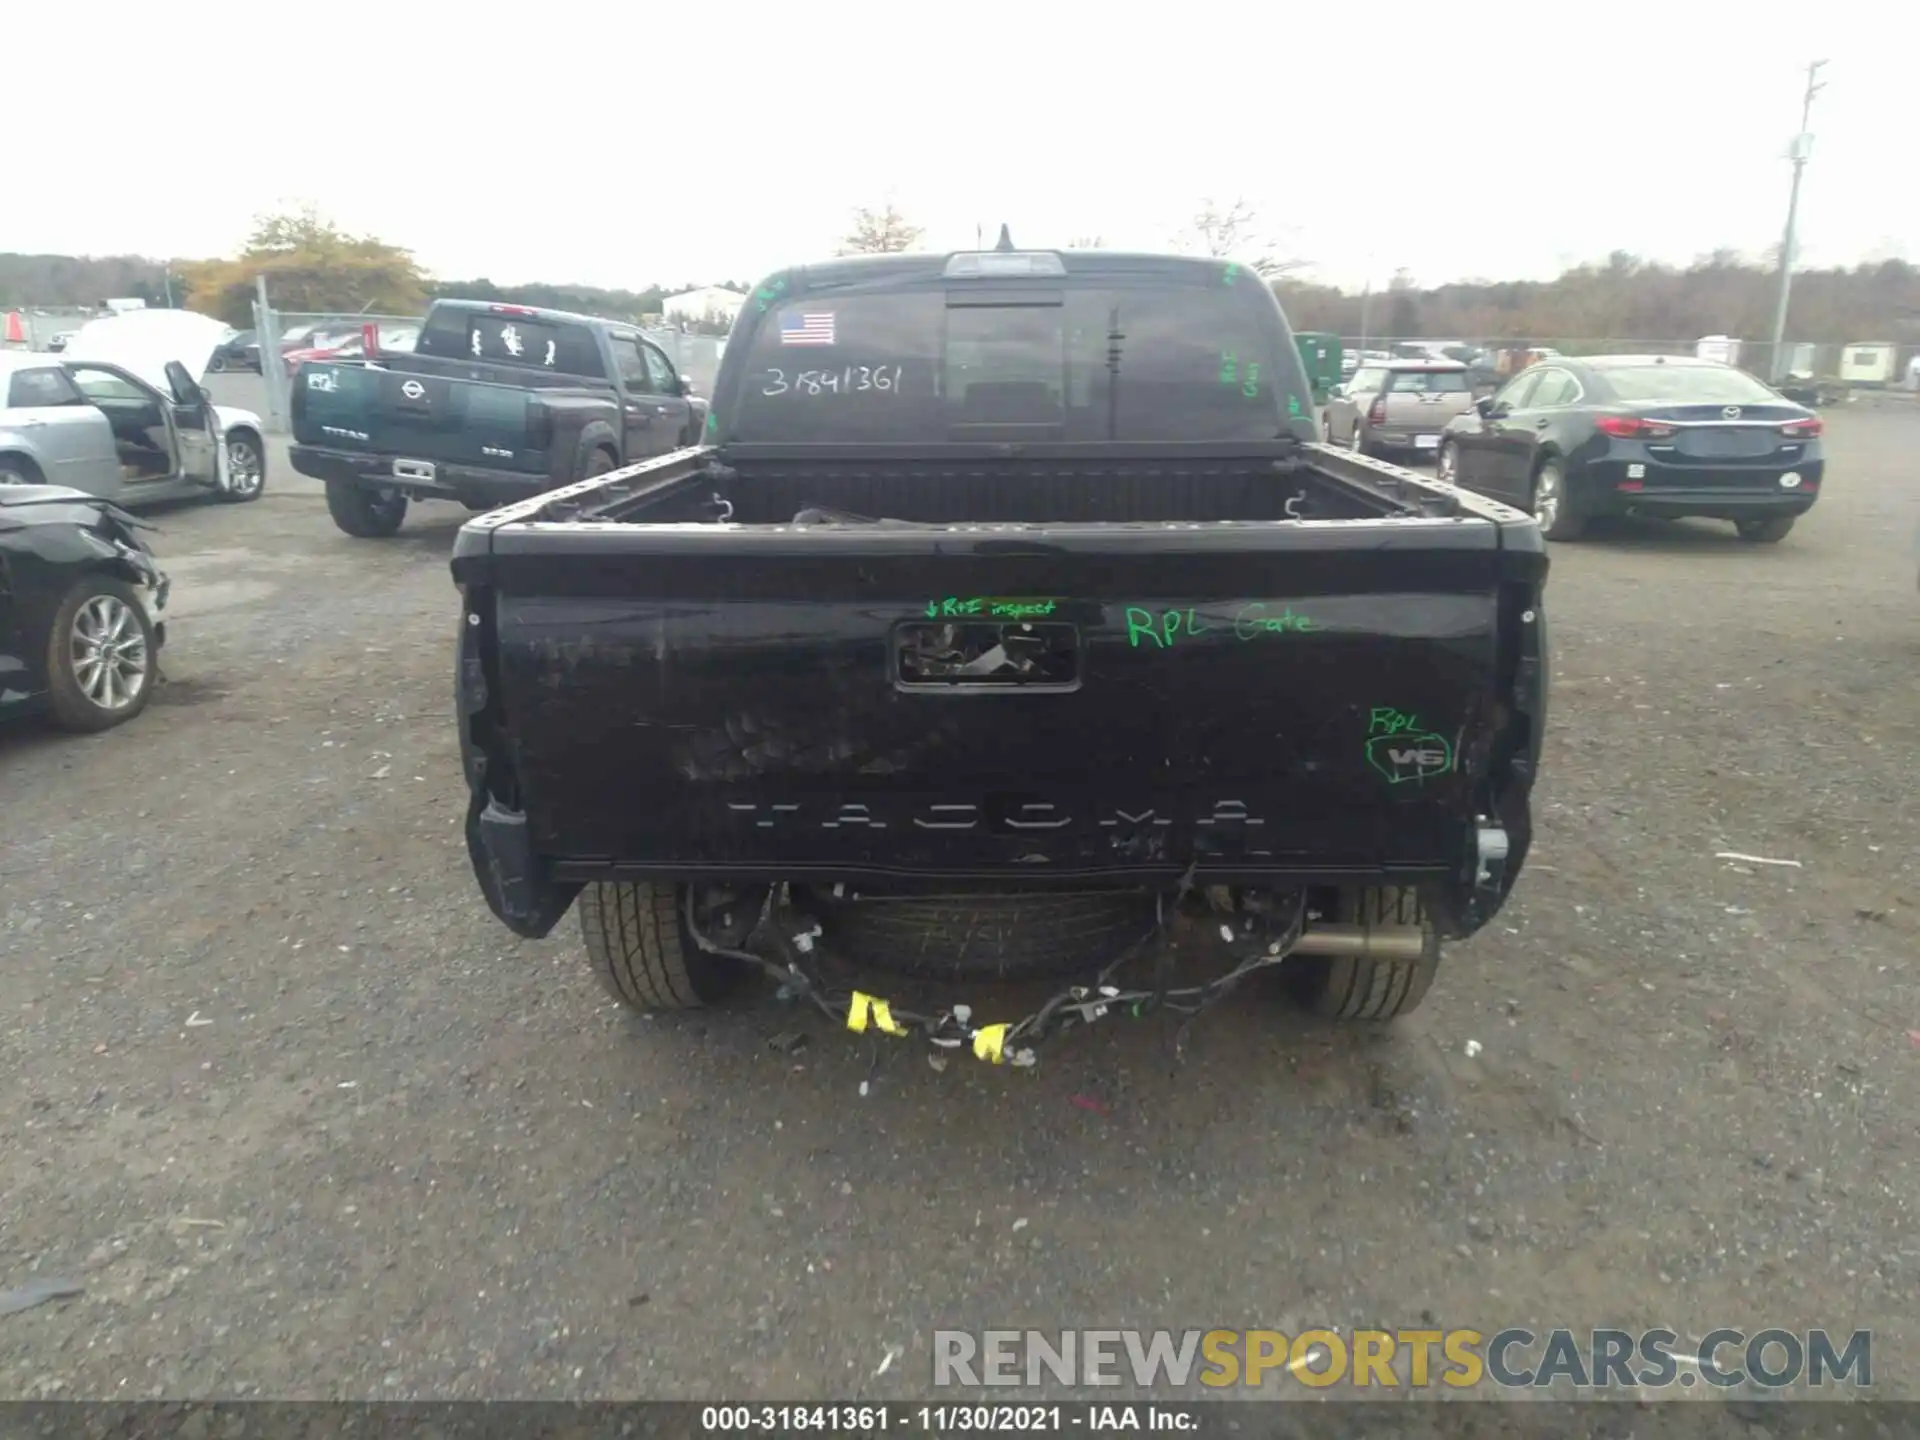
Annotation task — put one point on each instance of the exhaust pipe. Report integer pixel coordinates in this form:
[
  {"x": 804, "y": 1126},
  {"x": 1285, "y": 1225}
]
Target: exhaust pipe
[{"x": 1400, "y": 942}]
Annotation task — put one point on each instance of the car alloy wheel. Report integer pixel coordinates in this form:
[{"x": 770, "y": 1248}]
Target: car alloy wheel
[
  {"x": 1547, "y": 498},
  {"x": 1449, "y": 465},
  {"x": 244, "y": 470},
  {"x": 109, "y": 653}
]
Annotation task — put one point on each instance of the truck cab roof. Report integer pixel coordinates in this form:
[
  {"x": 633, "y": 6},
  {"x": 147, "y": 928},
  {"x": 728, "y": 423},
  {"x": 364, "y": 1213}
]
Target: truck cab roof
[{"x": 1000, "y": 264}]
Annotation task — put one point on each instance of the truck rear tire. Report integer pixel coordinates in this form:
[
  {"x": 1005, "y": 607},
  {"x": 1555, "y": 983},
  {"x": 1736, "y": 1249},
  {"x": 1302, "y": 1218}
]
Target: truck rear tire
[
  {"x": 360, "y": 513},
  {"x": 640, "y": 951},
  {"x": 1361, "y": 987}
]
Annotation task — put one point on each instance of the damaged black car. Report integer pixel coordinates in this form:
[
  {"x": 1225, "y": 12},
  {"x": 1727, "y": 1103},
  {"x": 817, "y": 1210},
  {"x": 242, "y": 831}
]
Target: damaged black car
[{"x": 82, "y": 609}]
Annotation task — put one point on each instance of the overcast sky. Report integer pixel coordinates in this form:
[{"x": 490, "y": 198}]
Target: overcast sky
[{"x": 622, "y": 144}]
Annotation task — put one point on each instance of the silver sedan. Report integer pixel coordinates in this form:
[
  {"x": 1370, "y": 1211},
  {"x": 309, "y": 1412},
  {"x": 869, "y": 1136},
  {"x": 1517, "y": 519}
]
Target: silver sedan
[{"x": 104, "y": 430}]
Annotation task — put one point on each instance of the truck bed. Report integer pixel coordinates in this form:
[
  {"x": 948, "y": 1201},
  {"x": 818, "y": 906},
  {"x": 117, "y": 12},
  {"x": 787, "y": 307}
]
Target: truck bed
[
  {"x": 1242, "y": 663},
  {"x": 431, "y": 409}
]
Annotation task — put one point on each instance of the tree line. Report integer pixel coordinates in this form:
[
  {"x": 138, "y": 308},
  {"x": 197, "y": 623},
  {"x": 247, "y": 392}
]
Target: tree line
[
  {"x": 313, "y": 265},
  {"x": 1625, "y": 297}
]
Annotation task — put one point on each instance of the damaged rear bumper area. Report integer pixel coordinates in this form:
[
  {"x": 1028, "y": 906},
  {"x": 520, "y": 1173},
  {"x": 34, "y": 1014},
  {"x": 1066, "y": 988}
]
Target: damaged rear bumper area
[{"x": 1446, "y": 815}]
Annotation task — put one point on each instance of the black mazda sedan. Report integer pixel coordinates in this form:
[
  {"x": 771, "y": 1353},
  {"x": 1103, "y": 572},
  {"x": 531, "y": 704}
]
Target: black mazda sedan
[{"x": 1662, "y": 435}]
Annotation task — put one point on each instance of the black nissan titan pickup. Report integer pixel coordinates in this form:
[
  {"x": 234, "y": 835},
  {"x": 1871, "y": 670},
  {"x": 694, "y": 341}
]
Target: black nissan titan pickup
[
  {"x": 1010, "y": 620},
  {"x": 494, "y": 403}
]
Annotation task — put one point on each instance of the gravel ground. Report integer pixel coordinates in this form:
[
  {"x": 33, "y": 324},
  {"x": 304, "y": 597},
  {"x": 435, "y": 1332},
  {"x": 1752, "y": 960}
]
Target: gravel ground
[{"x": 305, "y": 1122}]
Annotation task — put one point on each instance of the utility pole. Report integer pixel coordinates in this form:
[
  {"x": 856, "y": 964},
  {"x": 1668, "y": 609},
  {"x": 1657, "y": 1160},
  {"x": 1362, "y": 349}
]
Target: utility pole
[{"x": 1798, "y": 152}]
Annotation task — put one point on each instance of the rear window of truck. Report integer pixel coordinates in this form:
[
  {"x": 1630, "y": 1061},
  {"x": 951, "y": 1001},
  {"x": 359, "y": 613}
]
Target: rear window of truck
[
  {"x": 505, "y": 338},
  {"x": 1076, "y": 362}
]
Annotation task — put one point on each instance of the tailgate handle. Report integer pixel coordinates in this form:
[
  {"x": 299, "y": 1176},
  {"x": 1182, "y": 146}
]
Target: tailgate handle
[{"x": 977, "y": 655}]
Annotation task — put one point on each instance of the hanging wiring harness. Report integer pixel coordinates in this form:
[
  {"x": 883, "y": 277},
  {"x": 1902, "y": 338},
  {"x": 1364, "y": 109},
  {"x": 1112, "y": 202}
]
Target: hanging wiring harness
[{"x": 1012, "y": 1042}]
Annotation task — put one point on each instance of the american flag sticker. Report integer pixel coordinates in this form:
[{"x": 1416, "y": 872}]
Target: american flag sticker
[{"x": 811, "y": 328}]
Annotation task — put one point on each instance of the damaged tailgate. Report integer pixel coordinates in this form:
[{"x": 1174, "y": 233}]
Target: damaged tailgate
[{"x": 1237, "y": 703}]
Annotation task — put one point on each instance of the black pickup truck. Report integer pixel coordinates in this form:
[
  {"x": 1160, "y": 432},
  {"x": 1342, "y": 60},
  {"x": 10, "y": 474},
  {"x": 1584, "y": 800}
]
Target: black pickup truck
[
  {"x": 493, "y": 404},
  {"x": 1010, "y": 620}
]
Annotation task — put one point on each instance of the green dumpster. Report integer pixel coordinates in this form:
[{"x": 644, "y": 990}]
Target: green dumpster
[{"x": 1320, "y": 354}]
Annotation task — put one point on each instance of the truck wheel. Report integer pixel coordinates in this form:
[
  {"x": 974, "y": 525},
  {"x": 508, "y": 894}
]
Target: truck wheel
[
  {"x": 641, "y": 953},
  {"x": 986, "y": 935},
  {"x": 1348, "y": 987},
  {"x": 1770, "y": 531},
  {"x": 1552, "y": 506},
  {"x": 100, "y": 656},
  {"x": 598, "y": 463},
  {"x": 364, "y": 514}
]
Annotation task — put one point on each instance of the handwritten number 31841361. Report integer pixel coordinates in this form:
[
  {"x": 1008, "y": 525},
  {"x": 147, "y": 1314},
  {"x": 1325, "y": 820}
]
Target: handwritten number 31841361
[{"x": 853, "y": 378}]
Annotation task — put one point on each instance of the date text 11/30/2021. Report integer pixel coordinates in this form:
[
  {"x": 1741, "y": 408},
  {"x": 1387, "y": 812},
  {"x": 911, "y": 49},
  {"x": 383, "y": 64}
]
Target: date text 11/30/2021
[{"x": 881, "y": 1419}]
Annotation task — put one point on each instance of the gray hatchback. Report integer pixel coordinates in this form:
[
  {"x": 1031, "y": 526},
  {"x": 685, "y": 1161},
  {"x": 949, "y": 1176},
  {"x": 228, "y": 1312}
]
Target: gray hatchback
[{"x": 1397, "y": 405}]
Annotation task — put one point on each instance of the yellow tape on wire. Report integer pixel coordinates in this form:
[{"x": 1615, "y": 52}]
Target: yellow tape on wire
[
  {"x": 863, "y": 1007},
  {"x": 989, "y": 1043}
]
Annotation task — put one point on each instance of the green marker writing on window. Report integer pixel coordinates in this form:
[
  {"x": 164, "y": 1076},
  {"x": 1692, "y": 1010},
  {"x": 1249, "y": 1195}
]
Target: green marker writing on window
[
  {"x": 771, "y": 293},
  {"x": 1233, "y": 274},
  {"x": 1252, "y": 386},
  {"x": 1229, "y": 366}
]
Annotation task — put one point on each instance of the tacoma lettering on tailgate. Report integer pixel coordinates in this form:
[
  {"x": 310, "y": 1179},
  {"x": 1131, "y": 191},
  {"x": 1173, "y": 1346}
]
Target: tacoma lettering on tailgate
[{"x": 1013, "y": 817}]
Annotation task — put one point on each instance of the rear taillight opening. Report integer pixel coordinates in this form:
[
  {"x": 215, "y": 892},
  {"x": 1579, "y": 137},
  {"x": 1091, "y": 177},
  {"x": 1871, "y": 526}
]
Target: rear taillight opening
[
  {"x": 1377, "y": 411},
  {"x": 1810, "y": 428},
  {"x": 1633, "y": 427}
]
